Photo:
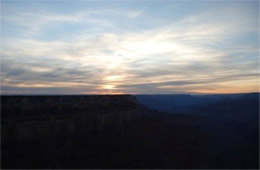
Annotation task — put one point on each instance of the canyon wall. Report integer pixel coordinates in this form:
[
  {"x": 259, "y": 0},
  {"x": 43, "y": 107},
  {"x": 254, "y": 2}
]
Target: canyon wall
[{"x": 37, "y": 118}]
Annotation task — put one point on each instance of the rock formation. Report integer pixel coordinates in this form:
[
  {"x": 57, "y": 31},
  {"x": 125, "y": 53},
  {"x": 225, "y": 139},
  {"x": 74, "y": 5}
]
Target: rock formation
[{"x": 103, "y": 131}]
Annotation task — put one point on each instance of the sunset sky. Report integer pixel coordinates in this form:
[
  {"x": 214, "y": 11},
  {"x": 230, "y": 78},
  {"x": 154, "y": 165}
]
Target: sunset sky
[{"x": 136, "y": 47}]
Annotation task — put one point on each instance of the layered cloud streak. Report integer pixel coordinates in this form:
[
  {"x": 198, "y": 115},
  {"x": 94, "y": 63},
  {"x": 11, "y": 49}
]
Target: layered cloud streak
[{"x": 90, "y": 52}]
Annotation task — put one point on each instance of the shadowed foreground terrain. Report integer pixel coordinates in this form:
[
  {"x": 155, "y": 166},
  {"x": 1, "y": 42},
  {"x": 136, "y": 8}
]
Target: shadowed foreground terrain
[
  {"x": 103, "y": 131},
  {"x": 230, "y": 120}
]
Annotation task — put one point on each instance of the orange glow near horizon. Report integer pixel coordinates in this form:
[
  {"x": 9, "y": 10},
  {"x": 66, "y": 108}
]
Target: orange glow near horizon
[{"x": 229, "y": 90}]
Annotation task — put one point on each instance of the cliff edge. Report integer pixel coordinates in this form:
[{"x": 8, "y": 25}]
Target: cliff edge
[{"x": 104, "y": 131}]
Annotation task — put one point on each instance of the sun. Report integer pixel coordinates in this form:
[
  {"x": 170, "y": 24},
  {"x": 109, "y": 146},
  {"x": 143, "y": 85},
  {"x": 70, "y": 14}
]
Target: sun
[{"x": 109, "y": 86}]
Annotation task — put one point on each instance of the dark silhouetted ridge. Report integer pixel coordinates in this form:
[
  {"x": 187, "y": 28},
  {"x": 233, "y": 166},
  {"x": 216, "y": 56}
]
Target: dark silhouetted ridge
[{"x": 100, "y": 131}]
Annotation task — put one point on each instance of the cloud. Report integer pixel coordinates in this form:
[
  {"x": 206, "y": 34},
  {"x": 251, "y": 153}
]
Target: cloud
[
  {"x": 195, "y": 54},
  {"x": 134, "y": 14}
]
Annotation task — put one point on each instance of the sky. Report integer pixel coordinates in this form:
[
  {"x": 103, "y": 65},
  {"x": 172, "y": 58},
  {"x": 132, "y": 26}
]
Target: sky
[{"x": 129, "y": 47}]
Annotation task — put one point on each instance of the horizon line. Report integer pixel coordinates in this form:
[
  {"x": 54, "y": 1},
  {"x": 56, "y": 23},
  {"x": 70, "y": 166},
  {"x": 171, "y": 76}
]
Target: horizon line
[{"x": 129, "y": 94}]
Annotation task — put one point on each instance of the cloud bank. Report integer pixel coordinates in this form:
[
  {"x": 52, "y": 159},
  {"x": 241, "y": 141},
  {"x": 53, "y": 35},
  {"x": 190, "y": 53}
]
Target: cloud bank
[{"x": 130, "y": 48}]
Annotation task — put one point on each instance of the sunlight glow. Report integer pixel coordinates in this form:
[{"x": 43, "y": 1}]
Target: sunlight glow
[
  {"x": 113, "y": 78},
  {"x": 149, "y": 47},
  {"x": 108, "y": 86}
]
